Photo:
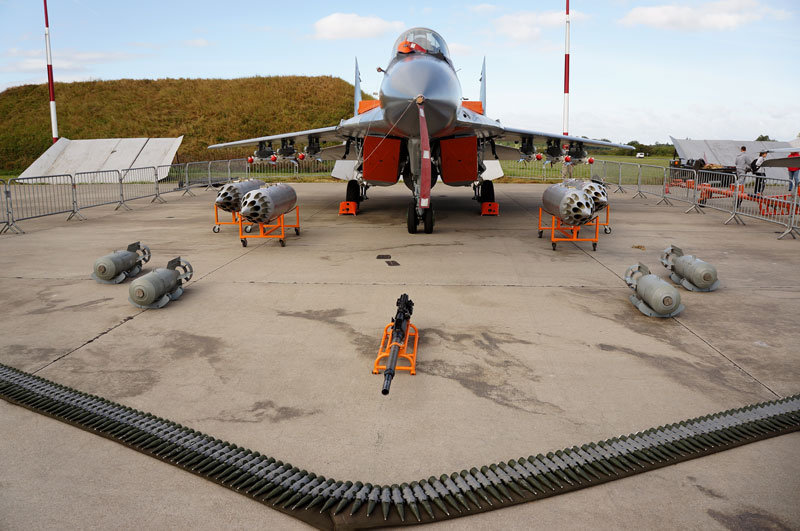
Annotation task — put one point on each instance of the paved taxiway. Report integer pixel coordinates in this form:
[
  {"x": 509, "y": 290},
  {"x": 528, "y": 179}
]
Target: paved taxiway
[{"x": 523, "y": 350}]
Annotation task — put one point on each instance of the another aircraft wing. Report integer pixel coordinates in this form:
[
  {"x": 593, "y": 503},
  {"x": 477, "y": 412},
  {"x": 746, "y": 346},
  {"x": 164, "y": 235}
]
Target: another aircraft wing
[
  {"x": 323, "y": 133},
  {"x": 786, "y": 162},
  {"x": 538, "y": 136}
]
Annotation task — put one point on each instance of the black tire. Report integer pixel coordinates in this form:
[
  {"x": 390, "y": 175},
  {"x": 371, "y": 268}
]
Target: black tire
[
  {"x": 297, "y": 232},
  {"x": 607, "y": 230},
  {"x": 283, "y": 242},
  {"x": 427, "y": 220},
  {"x": 412, "y": 220},
  {"x": 353, "y": 191},
  {"x": 244, "y": 243},
  {"x": 540, "y": 233},
  {"x": 594, "y": 246},
  {"x": 248, "y": 229},
  {"x": 554, "y": 246},
  {"x": 215, "y": 229},
  {"x": 487, "y": 192}
]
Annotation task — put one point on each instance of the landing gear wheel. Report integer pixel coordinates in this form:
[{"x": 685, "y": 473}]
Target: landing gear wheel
[
  {"x": 248, "y": 229},
  {"x": 215, "y": 229},
  {"x": 283, "y": 242},
  {"x": 540, "y": 233},
  {"x": 607, "y": 230},
  {"x": 353, "y": 191},
  {"x": 487, "y": 192},
  {"x": 244, "y": 242},
  {"x": 412, "y": 220},
  {"x": 427, "y": 220},
  {"x": 554, "y": 246},
  {"x": 297, "y": 232},
  {"x": 594, "y": 246}
]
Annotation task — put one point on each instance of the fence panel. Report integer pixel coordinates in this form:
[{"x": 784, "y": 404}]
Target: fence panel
[
  {"x": 680, "y": 184},
  {"x": 715, "y": 190},
  {"x": 197, "y": 174},
  {"x": 268, "y": 170},
  {"x": 171, "y": 178},
  {"x": 138, "y": 183},
  {"x": 219, "y": 171},
  {"x": 237, "y": 169},
  {"x": 763, "y": 198},
  {"x": 652, "y": 180},
  {"x": 34, "y": 197},
  {"x": 95, "y": 188},
  {"x": 4, "y": 217}
]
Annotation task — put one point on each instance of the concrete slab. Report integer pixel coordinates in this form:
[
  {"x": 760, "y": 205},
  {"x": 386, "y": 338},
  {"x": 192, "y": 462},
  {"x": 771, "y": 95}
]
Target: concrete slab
[{"x": 523, "y": 349}]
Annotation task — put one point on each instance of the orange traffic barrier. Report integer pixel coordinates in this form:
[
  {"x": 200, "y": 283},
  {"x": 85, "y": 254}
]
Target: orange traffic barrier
[
  {"x": 348, "y": 207},
  {"x": 403, "y": 353},
  {"x": 559, "y": 232},
  {"x": 489, "y": 208},
  {"x": 276, "y": 230}
]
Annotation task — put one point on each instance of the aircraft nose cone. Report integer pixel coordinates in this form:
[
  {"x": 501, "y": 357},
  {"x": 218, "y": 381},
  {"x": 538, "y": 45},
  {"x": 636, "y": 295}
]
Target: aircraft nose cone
[{"x": 420, "y": 75}]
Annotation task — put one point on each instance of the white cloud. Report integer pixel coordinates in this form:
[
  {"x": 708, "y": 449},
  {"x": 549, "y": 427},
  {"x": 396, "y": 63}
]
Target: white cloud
[
  {"x": 352, "y": 26},
  {"x": 483, "y": 8},
  {"x": 64, "y": 61},
  {"x": 719, "y": 15},
  {"x": 197, "y": 43},
  {"x": 458, "y": 50},
  {"x": 527, "y": 25}
]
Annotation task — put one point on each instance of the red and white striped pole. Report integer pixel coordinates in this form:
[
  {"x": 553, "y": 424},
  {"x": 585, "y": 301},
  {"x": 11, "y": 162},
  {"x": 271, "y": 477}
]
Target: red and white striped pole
[
  {"x": 566, "y": 77},
  {"x": 53, "y": 120}
]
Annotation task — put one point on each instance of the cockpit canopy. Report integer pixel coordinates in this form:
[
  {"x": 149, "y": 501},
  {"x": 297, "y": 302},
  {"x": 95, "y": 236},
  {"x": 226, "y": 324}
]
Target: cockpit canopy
[{"x": 420, "y": 40}]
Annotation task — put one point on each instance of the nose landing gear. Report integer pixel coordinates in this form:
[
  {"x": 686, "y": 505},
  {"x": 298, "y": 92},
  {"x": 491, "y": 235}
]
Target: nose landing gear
[{"x": 414, "y": 217}]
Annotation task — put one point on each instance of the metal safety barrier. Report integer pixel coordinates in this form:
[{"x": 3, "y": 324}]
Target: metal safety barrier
[
  {"x": 138, "y": 183},
  {"x": 97, "y": 188},
  {"x": 35, "y": 197},
  {"x": 337, "y": 504}
]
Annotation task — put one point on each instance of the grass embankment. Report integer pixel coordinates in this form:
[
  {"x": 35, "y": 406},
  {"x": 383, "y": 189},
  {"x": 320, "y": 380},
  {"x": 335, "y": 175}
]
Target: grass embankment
[{"x": 205, "y": 111}]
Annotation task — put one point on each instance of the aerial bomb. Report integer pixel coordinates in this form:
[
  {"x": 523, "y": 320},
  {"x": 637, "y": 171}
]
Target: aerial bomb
[
  {"x": 230, "y": 196},
  {"x": 569, "y": 203},
  {"x": 653, "y": 296},
  {"x": 267, "y": 204},
  {"x": 157, "y": 288},
  {"x": 594, "y": 189},
  {"x": 115, "y": 267},
  {"x": 689, "y": 271}
]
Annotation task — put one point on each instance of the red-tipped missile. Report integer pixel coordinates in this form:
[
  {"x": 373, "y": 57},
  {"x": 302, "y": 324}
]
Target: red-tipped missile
[
  {"x": 250, "y": 160},
  {"x": 590, "y": 161},
  {"x": 567, "y": 158},
  {"x": 301, "y": 156},
  {"x": 565, "y": 146},
  {"x": 538, "y": 156},
  {"x": 273, "y": 158}
]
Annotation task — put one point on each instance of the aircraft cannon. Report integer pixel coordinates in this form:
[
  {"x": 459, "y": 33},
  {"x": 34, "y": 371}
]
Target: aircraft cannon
[
  {"x": 157, "y": 288},
  {"x": 401, "y": 327},
  {"x": 569, "y": 203},
  {"x": 230, "y": 196},
  {"x": 653, "y": 296},
  {"x": 115, "y": 267},
  {"x": 689, "y": 271},
  {"x": 267, "y": 204}
]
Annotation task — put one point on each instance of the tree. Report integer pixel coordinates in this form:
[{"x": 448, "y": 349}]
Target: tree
[{"x": 764, "y": 138}]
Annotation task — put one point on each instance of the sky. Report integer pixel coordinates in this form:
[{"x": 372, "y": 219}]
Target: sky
[{"x": 639, "y": 70}]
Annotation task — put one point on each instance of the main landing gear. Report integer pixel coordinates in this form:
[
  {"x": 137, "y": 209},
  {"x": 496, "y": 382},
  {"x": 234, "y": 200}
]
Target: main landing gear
[
  {"x": 356, "y": 192},
  {"x": 414, "y": 218}
]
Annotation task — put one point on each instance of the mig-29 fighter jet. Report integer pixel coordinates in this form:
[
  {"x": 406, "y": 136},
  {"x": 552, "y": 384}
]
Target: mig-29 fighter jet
[{"x": 421, "y": 130}]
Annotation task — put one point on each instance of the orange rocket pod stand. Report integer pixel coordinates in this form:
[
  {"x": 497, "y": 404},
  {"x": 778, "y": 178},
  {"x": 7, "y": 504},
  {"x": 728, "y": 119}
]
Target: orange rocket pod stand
[
  {"x": 348, "y": 207},
  {"x": 570, "y": 233},
  {"x": 276, "y": 230},
  {"x": 234, "y": 220},
  {"x": 412, "y": 337},
  {"x": 489, "y": 208}
]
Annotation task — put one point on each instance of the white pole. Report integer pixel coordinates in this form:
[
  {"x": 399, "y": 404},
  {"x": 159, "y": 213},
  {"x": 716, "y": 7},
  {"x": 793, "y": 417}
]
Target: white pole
[
  {"x": 53, "y": 120},
  {"x": 566, "y": 77}
]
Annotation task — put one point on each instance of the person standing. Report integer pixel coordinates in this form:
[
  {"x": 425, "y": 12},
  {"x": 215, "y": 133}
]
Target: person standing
[
  {"x": 760, "y": 174},
  {"x": 794, "y": 173},
  {"x": 742, "y": 165}
]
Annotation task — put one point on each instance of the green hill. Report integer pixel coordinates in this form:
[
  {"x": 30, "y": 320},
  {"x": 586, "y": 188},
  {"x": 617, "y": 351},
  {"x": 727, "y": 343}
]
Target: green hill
[{"x": 205, "y": 111}]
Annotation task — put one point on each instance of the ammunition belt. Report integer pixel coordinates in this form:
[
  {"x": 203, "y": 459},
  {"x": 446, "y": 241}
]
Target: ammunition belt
[{"x": 327, "y": 503}]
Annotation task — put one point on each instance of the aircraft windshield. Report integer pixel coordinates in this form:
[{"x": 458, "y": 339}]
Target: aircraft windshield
[{"x": 420, "y": 40}]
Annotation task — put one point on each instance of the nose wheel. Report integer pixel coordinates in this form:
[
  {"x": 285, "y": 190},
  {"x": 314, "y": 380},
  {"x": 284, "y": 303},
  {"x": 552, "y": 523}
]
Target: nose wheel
[{"x": 414, "y": 218}]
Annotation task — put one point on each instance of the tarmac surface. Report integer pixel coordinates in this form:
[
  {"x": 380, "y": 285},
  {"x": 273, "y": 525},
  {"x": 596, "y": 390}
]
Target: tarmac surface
[{"x": 523, "y": 350}]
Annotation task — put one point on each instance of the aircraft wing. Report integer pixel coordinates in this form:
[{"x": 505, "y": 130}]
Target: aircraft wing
[
  {"x": 786, "y": 162},
  {"x": 358, "y": 126},
  {"x": 511, "y": 133}
]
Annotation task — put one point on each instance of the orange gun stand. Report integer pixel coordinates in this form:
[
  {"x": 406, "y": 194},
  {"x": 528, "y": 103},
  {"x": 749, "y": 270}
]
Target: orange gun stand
[
  {"x": 403, "y": 353},
  {"x": 348, "y": 207},
  {"x": 278, "y": 230},
  {"x": 569, "y": 233},
  {"x": 489, "y": 208},
  {"x": 234, "y": 220}
]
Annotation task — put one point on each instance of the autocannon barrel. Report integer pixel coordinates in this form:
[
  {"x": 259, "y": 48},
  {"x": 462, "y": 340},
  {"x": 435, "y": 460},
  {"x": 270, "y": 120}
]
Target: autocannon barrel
[
  {"x": 569, "y": 203},
  {"x": 405, "y": 307},
  {"x": 267, "y": 204},
  {"x": 115, "y": 267},
  {"x": 158, "y": 287},
  {"x": 230, "y": 196}
]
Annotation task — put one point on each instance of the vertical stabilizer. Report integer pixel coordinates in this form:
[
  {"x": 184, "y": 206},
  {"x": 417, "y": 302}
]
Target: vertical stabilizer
[
  {"x": 357, "y": 92},
  {"x": 483, "y": 86}
]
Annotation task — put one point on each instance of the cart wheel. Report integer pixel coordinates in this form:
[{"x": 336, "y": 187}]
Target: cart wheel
[
  {"x": 283, "y": 242},
  {"x": 540, "y": 233},
  {"x": 594, "y": 246},
  {"x": 607, "y": 229},
  {"x": 248, "y": 229},
  {"x": 244, "y": 243},
  {"x": 297, "y": 232},
  {"x": 215, "y": 229},
  {"x": 554, "y": 246}
]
